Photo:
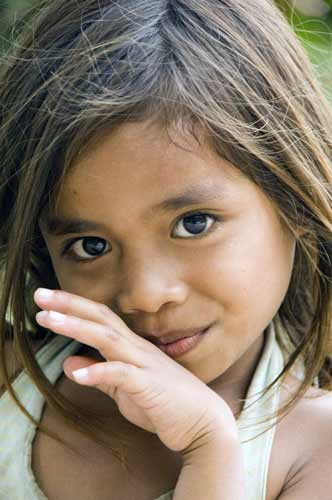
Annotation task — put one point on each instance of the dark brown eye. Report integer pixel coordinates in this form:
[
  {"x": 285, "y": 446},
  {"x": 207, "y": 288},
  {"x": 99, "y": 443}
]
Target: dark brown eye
[
  {"x": 93, "y": 246},
  {"x": 86, "y": 248},
  {"x": 195, "y": 224}
]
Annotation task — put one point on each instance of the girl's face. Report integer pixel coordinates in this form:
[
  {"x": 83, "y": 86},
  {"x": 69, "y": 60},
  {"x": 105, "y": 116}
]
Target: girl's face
[{"x": 172, "y": 239}]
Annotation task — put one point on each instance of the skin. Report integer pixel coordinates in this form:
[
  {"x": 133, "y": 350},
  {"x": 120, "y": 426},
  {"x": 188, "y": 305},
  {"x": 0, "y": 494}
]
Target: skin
[{"x": 155, "y": 273}]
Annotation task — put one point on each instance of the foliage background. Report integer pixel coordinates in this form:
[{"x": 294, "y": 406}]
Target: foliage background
[{"x": 315, "y": 31}]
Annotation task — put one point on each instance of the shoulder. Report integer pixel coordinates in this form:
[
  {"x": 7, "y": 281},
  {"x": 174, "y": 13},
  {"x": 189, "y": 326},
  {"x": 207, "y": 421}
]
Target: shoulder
[
  {"x": 311, "y": 418},
  {"x": 304, "y": 443},
  {"x": 311, "y": 422}
]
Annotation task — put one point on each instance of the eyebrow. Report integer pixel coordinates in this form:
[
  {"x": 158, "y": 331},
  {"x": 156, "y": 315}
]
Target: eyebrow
[{"x": 59, "y": 226}]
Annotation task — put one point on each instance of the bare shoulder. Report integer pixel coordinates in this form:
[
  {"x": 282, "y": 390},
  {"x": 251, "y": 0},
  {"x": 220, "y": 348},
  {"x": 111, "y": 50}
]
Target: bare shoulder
[
  {"x": 311, "y": 475},
  {"x": 301, "y": 459}
]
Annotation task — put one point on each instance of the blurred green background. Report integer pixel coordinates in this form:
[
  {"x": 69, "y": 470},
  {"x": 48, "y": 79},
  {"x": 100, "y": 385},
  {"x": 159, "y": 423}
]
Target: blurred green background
[
  {"x": 310, "y": 19},
  {"x": 312, "y": 22}
]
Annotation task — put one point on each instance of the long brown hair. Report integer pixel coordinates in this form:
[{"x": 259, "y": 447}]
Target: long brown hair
[{"x": 232, "y": 68}]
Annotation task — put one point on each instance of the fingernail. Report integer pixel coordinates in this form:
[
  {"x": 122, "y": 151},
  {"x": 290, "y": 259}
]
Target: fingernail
[
  {"x": 53, "y": 316},
  {"x": 56, "y": 317},
  {"x": 42, "y": 315},
  {"x": 43, "y": 293},
  {"x": 80, "y": 374}
]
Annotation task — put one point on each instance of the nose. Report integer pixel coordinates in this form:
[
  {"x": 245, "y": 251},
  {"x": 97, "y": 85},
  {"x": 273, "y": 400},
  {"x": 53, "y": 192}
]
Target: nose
[{"x": 147, "y": 284}]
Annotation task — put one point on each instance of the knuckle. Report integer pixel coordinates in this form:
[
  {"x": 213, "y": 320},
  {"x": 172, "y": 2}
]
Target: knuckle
[
  {"x": 66, "y": 300},
  {"x": 103, "y": 310},
  {"x": 123, "y": 370},
  {"x": 112, "y": 334}
]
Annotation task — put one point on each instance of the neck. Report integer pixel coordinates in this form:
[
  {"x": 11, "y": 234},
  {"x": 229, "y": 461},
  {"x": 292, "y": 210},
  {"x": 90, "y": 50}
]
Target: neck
[{"x": 233, "y": 385}]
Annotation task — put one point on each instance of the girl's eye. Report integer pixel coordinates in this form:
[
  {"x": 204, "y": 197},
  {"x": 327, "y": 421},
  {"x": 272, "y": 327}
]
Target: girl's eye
[
  {"x": 195, "y": 224},
  {"x": 86, "y": 248}
]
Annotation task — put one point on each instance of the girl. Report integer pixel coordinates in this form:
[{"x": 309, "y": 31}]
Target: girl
[{"x": 166, "y": 207}]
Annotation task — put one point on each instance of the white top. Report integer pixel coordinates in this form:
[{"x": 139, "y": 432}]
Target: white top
[{"x": 17, "y": 432}]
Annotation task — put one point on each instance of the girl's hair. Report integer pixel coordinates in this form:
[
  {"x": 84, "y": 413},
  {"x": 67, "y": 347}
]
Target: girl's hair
[{"x": 230, "y": 68}]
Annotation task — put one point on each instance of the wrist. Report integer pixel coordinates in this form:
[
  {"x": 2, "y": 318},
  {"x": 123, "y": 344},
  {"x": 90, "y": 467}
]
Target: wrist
[
  {"x": 213, "y": 442},
  {"x": 213, "y": 469}
]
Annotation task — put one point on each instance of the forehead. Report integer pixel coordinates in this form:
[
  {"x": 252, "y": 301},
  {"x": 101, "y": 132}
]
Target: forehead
[{"x": 138, "y": 165}]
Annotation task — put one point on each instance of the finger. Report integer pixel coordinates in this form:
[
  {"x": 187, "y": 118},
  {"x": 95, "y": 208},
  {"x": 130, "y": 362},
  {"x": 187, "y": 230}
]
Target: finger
[
  {"x": 75, "y": 305},
  {"x": 69, "y": 303},
  {"x": 108, "y": 340},
  {"x": 110, "y": 376},
  {"x": 73, "y": 363}
]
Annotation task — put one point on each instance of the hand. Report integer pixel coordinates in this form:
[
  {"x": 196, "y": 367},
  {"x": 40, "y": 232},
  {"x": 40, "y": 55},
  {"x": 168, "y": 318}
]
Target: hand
[{"x": 151, "y": 390}]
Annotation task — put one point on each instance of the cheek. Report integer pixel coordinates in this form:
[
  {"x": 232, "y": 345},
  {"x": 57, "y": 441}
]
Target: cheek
[
  {"x": 250, "y": 275},
  {"x": 94, "y": 289},
  {"x": 91, "y": 285}
]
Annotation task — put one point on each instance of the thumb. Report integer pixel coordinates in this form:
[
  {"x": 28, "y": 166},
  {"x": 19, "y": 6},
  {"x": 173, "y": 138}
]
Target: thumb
[{"x": 76, "y": 363}]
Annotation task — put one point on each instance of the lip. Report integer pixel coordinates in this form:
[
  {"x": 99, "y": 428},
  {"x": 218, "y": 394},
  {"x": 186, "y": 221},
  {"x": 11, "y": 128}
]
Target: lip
[
  {"x": 183, "y": 345},
  {"x": 175, "y": 335}
]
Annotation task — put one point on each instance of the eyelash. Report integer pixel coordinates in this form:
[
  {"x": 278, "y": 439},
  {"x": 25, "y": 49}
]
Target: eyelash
[{"x": 68, "y": 253}]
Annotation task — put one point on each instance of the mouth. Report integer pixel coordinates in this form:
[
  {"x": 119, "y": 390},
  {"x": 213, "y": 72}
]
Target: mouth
[
  {"x": 176, "y": 335},
  {"x": 183, "y": 345}
]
